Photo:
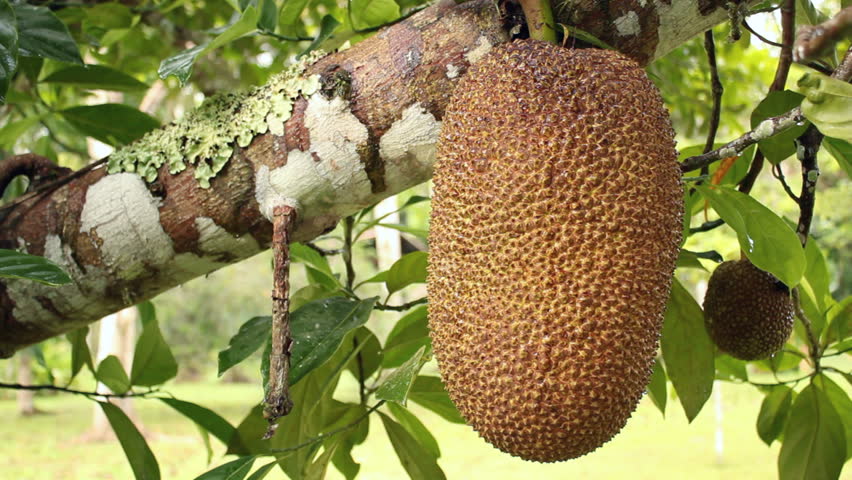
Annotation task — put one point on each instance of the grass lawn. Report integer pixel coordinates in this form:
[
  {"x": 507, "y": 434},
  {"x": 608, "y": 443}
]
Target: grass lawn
[{"x": 49, "y": 446}]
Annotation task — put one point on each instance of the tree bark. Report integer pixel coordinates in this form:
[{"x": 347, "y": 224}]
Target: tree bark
[{"x": 124, "y": 240}]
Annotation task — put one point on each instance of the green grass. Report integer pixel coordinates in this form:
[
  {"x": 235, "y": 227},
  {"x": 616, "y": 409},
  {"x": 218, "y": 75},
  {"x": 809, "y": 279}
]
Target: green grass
[{"x": 650, "y": 447}]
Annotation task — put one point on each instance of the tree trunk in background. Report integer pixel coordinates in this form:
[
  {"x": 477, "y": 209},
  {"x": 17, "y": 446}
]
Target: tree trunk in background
[
  {"x": 117, "y": 336},
  {"x": 26, "y": 398}
]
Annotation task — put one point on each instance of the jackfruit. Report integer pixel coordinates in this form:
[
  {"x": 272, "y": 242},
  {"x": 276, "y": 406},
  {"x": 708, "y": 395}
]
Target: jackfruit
[
  {"x": 555, "y": 227},
  {"x": 748, "y": 312}
]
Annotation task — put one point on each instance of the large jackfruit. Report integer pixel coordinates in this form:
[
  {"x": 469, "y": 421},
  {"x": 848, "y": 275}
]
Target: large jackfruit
[
  {"x": 748, "y": 312},
  {"x": 556, "y": 220}
]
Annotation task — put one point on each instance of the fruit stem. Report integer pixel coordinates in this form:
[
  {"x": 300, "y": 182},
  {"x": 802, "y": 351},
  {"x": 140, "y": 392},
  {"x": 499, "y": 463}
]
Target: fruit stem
[{"x": 539, "y": 17}]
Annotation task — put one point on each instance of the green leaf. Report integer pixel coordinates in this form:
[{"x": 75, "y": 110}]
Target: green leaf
[
  {"x": 311, "y": 293},
  {"x": 808, "y": 14},
  {"x": 768, "y": 242},
  {"x": 95, "y": 77},
  {"x": 307, "y": 255},
  {"x": 842, "y": 404},
  {"x": 153, "y": 361},
  {"x": 233, "y": 470},
  {"x": 773, "y": 413},
  {"x": 778, "y": 147},
  {"x": 268, "y": 20},
  {"x": 816, "y": 278},
  {"x": 409, "y": 269},
  {"x": 318, "y": 329},
  {"x": 30, "y": 267},
  {"x": 12, "y": 131},
  {"x": 316, "y": 470},
  {"x": 416, "y": 428},
  {"x": 730, "y": 369},
  {"x": 80, "y": 354},
  {"x": 396, "y": 386},
  {"x": 147, "y": 312},
  {"x": 111, "y": 123},
  {"x": 8, "y": 47},
  {"x": 429, "y": 392},
  {"x": 827, "y": 104},
  {"x": 291, "y": 11},
  {"x": 657, "y": 390},
  {"x": 263, "y": 471},
  {"x": 342, "y": 458},
  {"x": 327, "y": 27},
  {"x": 687, "y": 351},
  {"x": 247, "y": 340},
  {"x": 370, "y": 353},
  {"x": 139, "y": 455},
  {"x": 204, "y": 418},
  {"x": 838, "y": 318},
  {"x": 814, "y": 446},
  {"x": 415, "y": 458},
  {"x": 841, "y": 150},
  {"x": 111, "y": 373},
  {"x": 248, "y": 438},
  {"x": 180, "y": 65},
  {"x": 42, "y": 34},
  {"x": 409, "y": 334},
  {"x": 372, "y": 13}
]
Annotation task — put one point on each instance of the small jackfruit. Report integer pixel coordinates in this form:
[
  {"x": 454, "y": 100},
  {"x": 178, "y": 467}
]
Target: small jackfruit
[
  {"x": 555, "y": 227},
  {"x": 748, "y": 312}
]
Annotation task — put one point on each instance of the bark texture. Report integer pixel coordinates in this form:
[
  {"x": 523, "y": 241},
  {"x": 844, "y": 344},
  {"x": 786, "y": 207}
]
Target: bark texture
[{"x": 368, "y": 133}]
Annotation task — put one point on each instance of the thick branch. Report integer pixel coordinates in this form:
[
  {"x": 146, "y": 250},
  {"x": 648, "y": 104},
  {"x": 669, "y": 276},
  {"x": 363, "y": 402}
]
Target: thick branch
[
  {"x": 814, "y": 40},
  {"x": 368, "y": 133}
]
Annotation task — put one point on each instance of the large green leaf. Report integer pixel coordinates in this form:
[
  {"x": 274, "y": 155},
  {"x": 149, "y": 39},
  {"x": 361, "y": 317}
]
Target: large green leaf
[
  {"x": 396, "y": 386},
  {"x": 251, "y": 335},
  {"x": 688, "y": 351},
  {"x": 840, "y": 401},
  {"x": 416, "y": 428},
  {"x": 828, "y": 104},
  {"x": 112, "y": 123},
  {"x": 80, "y": 354},
  {"x": 657, "y": 387},
  {"x": 8, "y": 47},
  {"x": 30, "y": 267},
  {"x": 233, "y": 470},
  {"x": 429, "y": 392},
  {"x": 409, "y": 269},
  {"x": 318, "y": 329},
  {"x": 841, "y": 150},
  {"x": 778, "y": 147},
  {"x": 773, "y": 413},
  {"x": 95, "y": 77},
  {"x": 317, "y": 469},
  {"x": 410, "y": 333},
  {"x": 327, "y": 27},
  {"x": 414, "y": 457},
  {"x": 180, "y": 65},
  {"x": 12, "y": 131},
  {"x": 768, "y": 242},
  {"x": 204, "y": 418},
  {"x": 42, "y": 34},
  {"x": 814, "y": 446},
  {"x": 373, "y": 13},
  {"x": 112, "y": 374},
  {"x": 141, "y": 459},
  {"x": 153, "y": 361}
]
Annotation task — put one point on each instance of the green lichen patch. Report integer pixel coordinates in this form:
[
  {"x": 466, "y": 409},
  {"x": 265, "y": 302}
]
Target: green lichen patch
[{"x": 206, "y": 137}]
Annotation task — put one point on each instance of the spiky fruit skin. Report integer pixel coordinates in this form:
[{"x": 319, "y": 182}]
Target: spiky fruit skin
[
  {"x": 555, "y": 227},
  {"x": 748, "y": 312}
]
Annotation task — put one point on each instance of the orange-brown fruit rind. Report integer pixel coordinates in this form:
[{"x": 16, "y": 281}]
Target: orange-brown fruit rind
[
  {"x": 556, "y": 223},
  {"x": 748, "y": 312}
]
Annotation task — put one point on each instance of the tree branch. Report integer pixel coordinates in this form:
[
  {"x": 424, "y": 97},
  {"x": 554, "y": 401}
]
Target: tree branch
[
  {"x": 401, "y": 308},
  {"x": 814, "y": 40},
  {"x": 767, "y": 128},
  {"x": 55, "y": 388}
]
